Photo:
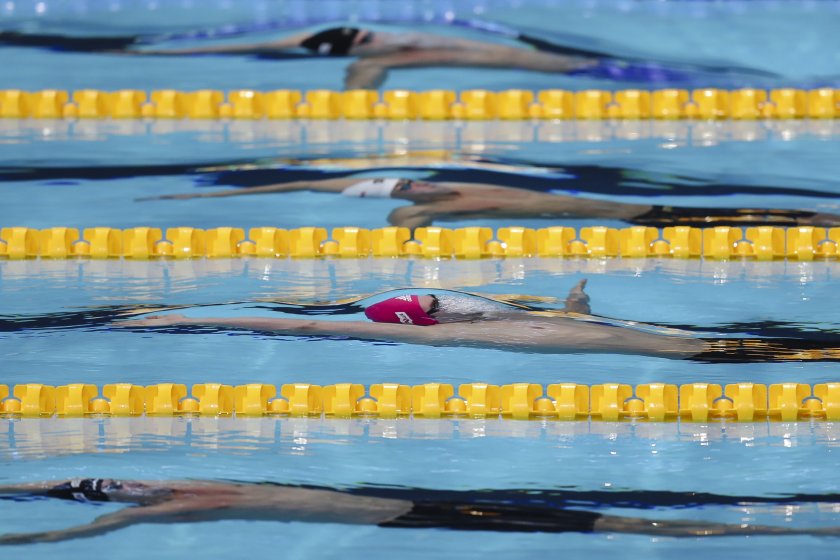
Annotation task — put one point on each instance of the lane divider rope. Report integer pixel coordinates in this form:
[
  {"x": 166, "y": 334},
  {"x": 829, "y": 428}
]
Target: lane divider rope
[
  {"x": 656, "y": 402},
  {"x": 803, "y": 243},
  {"x": 702, "y": 103}
]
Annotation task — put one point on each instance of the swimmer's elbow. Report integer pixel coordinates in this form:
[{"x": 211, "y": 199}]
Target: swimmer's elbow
[
  {"x": 365, "y": 74},
  {"x": 409, "y": 217}
]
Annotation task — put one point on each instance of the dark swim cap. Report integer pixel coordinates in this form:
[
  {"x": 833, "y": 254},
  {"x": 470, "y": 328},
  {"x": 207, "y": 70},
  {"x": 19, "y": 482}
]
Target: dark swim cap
[
  {"x": 335, "y": 41},
  {"x": 85, "y": 490}
]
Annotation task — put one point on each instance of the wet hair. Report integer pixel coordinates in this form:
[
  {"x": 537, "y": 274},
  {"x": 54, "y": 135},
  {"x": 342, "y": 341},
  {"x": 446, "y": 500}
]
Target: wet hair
[
  {"x": 435, "y": 305},
  {"x": 336, "y": 41}
]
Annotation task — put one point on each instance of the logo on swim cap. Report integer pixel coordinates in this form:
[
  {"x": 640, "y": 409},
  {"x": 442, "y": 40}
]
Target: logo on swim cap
[
  {"x": 400, "y": 309},
  {"x": 404, "y": 318},
  {"x": 372, "y": 188}
]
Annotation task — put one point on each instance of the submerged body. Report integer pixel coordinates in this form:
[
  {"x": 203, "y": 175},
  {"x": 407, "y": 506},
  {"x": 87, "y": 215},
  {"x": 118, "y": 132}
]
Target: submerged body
[
  {"x": 447, "y": 201},
  {"x": 517, "y": 331},
  {"x": 190, "y": 501},
  {"x": 378, "y": 52}
]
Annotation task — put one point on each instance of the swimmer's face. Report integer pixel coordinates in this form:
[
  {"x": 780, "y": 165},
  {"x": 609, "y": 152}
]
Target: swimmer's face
[
  {"x": 428, "y": 303},
  {"x": 421, "y": 191}
]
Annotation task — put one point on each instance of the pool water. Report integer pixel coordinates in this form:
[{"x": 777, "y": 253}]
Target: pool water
[
  {"x": 775, "y": 459},
  {"x": 111, "y": 167},
  {"x": 55, "y": 315}
]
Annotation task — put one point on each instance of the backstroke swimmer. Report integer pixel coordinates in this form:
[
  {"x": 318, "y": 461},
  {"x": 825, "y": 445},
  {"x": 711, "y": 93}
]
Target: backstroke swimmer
[
  {"x": 445, "y": 201},
  {"x": 192, "y": 501},
  {"x": 377, "y": 52},
  {"x": 456, "y": 319}
]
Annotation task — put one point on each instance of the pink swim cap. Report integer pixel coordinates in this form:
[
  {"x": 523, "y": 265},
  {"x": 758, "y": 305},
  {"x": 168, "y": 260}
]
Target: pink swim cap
[{"x": 400, "y": 309}]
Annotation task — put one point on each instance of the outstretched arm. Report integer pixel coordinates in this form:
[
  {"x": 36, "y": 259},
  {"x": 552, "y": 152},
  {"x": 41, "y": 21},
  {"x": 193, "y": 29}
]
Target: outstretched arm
[
  {"x": 265, "y": 46},
  {"x": 325, "y": 185},
  {"x": 377, "y": 331},
  {"x": 99, "y": 526}
]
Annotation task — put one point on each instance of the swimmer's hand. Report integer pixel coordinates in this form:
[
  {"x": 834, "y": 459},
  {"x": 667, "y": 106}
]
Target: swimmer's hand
[
  {"x": 29, "y": 538},
  {"x": 15, "y": 538},
  {"x": 578, "y": 300},
  {"x": 153, "y": 321},
  {"x": 182, "y": 196}
]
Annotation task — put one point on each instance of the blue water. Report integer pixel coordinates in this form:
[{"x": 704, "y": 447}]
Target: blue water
[
  {"x": 752, "y": 295},
  {"x": 673, "y": 163},
  {"x": 779, "y": 164},
  {"x": 775, "y": 459}
]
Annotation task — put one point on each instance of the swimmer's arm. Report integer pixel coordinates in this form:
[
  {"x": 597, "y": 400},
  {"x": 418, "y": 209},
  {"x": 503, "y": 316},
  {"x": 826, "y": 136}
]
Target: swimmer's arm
[
  {"x": 578, "y": 300},
  {"x": 326, "y": 185},
  {"x": 371, "y": 71},
  {"x": 282, "y": 44},
  {"x": 99, "y": 526},
  {"x": 411, "y": 216},
  {"x": 366, "y": 73},
  {"x": 36, "y": 488},
  {"x": 376, "y": 331}
]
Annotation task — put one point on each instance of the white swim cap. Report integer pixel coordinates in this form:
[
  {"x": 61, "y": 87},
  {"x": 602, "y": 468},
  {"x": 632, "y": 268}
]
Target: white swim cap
[{"x": 372, "y": 188}]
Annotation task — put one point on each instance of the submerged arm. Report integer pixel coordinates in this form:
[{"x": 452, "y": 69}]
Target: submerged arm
[
  {"x": 370, "y": 72},
  {"x": 413, "y": 216},
  {"x": 282, "y": 44},
  {"x": 388, "y": 332},
  {"x": 366, "y": 73},
  {"x": 325, "y": 185},
  {"x": 99, "y": 526}
]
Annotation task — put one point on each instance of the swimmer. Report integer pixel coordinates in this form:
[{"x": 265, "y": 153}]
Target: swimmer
[
  {"x": 193, "y": 501},
  {"x": 377, "y": 52},
  {"x": 444, "y": 202},
  {"x": 457, "y": 319}
]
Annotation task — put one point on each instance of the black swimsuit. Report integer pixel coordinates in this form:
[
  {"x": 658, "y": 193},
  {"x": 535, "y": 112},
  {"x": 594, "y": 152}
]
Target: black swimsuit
[
  {"x": 493, "y": 517},
  {"x": 767, "y": 350},
  {"x": 665, "y": 216}
]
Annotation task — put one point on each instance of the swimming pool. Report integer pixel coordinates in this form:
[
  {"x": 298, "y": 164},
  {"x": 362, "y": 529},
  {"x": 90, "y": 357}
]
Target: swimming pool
[
  {"x": 744, "y": 164},
  {"x": 55, "y": 314}
]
